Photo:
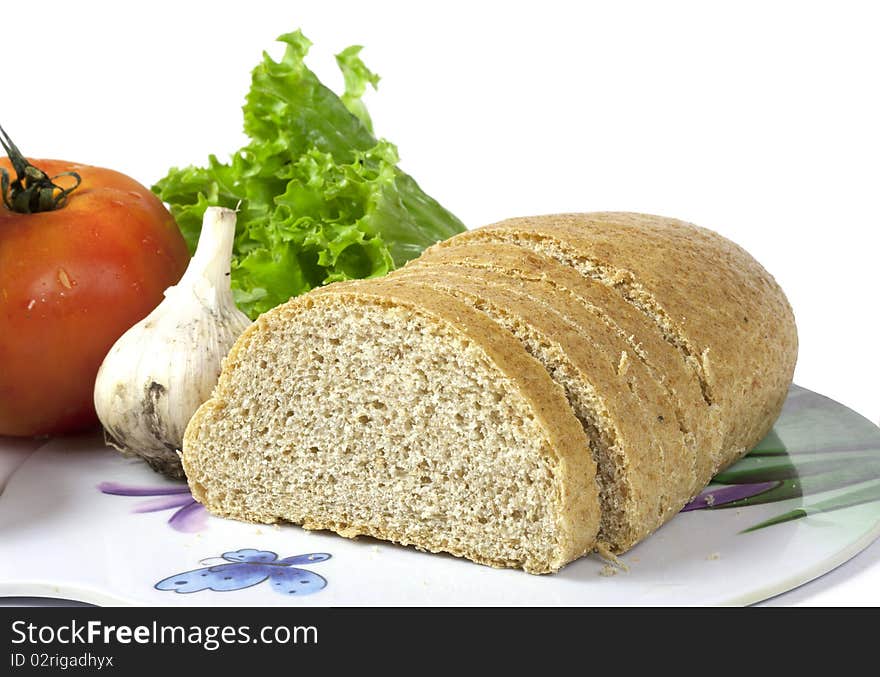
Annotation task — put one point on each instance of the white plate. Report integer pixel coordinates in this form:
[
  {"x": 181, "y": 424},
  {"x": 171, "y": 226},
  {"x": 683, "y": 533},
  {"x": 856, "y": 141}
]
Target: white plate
[{"x": 70, "y": 527}]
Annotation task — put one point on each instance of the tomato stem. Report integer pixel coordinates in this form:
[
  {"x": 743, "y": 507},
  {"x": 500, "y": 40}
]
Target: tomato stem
[{"x": 32, "y": 190}]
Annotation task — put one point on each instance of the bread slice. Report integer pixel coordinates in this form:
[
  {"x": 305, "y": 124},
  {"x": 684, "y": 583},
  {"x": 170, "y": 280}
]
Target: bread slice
[
  {"x": 644, "y": 470},
  {"x": 643, "y": 340},
  {"x": 718, "y": 306},
  {"x": 374, "y": 408}
]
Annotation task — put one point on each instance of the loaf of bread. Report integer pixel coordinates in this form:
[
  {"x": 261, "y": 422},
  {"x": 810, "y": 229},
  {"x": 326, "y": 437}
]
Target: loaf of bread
[{"x": 519, "y": 395}]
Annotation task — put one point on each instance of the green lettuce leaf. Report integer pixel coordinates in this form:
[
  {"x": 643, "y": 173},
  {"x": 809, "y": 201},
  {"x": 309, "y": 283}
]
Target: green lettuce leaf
[{"x": 320, "y": 198}]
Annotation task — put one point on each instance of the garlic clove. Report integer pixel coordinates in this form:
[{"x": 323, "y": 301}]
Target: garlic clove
[{"x": 158, "y": 373}]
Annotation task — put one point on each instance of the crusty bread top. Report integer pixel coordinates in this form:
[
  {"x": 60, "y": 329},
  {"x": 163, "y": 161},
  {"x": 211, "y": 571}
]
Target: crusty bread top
[{"x": 724, "y": 307}]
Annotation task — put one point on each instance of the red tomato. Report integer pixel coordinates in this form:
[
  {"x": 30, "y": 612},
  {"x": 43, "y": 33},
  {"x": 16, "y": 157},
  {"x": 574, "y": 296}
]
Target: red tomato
[{"x": 72, "y": 280}]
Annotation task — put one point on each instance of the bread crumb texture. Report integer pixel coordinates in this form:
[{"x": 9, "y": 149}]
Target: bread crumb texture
[{"x": 521, "y": 395}]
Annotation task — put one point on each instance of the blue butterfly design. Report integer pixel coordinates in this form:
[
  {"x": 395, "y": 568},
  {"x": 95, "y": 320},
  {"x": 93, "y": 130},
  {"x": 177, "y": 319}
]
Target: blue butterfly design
[{"x": 249, "y": 567}]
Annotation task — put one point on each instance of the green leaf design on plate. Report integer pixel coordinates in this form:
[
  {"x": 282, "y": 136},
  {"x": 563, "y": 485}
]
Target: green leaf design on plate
[
  {"x": 865, "y": 493},
  {"x": 818, "y": 448},
  {"x": 764, "y": 469}
]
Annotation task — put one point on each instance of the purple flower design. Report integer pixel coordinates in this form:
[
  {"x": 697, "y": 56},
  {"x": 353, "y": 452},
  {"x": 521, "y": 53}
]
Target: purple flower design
[
  {"x": 716, "y": 496},
  {"x": 189, "y": 517}
]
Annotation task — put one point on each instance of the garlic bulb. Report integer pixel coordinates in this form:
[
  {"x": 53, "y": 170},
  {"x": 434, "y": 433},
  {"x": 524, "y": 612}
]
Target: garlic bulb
[{"x": 159, "y": 372}]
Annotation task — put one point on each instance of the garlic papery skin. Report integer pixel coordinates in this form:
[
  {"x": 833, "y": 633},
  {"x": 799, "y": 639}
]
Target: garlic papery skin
[{"x": 159, "y": 371}]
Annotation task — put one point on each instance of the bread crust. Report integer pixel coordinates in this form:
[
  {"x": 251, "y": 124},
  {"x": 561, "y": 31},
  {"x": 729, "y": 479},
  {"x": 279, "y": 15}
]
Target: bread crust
[{"x": 732, "y": 316}]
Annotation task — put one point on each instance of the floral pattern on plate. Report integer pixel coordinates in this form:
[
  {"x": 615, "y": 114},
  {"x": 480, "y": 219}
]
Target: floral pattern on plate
[
  {"x": 820, "y": 452},
  {"x": 247, "y": 568},
  {"x": 189, "y": 515}
]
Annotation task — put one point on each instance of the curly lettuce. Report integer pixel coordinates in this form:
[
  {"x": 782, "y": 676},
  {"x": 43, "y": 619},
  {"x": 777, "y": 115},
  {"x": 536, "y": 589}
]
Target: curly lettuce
[{"x": 321, "y": 199}]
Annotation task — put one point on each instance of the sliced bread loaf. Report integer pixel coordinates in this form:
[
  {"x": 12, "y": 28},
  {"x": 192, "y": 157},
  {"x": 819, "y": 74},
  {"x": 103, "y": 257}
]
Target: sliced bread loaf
[
  {"x": 463, "y": 403},
  {"x": 374, "y": 408}
]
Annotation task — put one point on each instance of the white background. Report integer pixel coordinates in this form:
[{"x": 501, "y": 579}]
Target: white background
[{"x": 760, "y": 120}]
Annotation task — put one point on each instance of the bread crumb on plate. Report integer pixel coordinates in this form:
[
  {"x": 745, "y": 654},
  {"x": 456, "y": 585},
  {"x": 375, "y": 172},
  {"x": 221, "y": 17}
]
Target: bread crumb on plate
[
  {"x": 608, "y": 570},
  {"x": 611, "y": 560}
]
